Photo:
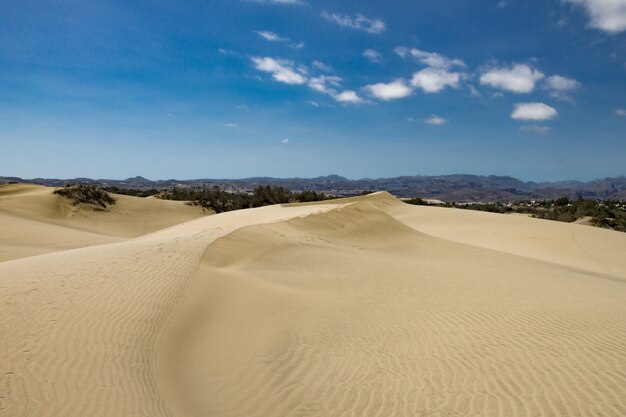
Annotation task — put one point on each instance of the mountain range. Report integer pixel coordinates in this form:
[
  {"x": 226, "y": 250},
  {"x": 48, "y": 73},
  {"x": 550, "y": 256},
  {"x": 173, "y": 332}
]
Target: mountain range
[{"x": 448, "y": 188}]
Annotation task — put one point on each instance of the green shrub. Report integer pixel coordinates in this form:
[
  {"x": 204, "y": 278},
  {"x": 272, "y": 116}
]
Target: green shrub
[{"x": 86, "y": 194}]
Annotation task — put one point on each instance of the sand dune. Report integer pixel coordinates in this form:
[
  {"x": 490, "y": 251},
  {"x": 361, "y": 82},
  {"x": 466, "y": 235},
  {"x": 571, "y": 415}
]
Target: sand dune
[
  {"x": 35, "y": 221},
  {"x": 360, "y": 307}
]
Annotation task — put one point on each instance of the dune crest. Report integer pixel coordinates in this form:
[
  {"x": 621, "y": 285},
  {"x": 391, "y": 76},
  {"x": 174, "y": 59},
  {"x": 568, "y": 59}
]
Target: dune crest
[{"x": 361, "y": 307}]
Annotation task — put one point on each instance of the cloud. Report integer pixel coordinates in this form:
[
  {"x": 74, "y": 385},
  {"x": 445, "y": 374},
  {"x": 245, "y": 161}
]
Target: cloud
[
  {"x": 269, "y": 36},
  {"x": 328, "y": 84},
  {"x": 322, "y": 83},
  {"x": 288, "y": 72},
  {"x": 373, "y": 56},
  {"x": 606, "y": 15},
  {"x": 435, "y": 120},
  {"x": 230, "y": 125},
  {"x": 542, "y": 130},
  {"x": 226, "y": 51},
  {"x": 273, "y": 37},
  {"x": 434, "y": 80},
  {"x": 559, "y": 83},
  {"x": 402, "y": 51},
  {"x": 519, "y": 78},
  {"x": 358, "y": 22},
  {"x": 283, "y": 71},
  {"x": 284, "y": 141},
  {"x": 391, "y": 91},
  {"x": 473, "y": 91},
  {"x": 533, "y": 111},
  {"x": 320, "y": 66},
  {"x": 560, "y": 86},
  {"x": 620, "y": 112},
  {"x": 348, "y": 96},
  {"x": 438, "y": 75},
  {"x": 431, "y": 59}
]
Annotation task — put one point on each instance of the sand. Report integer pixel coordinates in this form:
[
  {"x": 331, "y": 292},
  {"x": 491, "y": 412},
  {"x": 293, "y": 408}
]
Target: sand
[
  {"x": 357, "y": 307},
  {"x": 35, "y": 221}
]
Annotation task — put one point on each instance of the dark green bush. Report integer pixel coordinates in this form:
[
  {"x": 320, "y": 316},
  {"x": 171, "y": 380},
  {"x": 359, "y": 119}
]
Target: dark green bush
[
  {"x": 86, "y": 194},
  {"x": 219, "y": 200}
]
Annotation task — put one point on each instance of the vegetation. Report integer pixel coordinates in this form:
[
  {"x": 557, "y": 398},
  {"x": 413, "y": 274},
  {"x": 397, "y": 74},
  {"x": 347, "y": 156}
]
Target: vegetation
[
  {"x": 132, "y": 192},
  {"x": 417, "y": 202},
  {"x": 219, "y": 200},
  {"x": 610, "y": 214},
  {"x": 211, "y": 198},
  {"x": 86, "y": 194}
]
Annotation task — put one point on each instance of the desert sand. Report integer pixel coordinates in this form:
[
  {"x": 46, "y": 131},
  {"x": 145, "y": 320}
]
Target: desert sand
[{"x": 356, "y": 307}]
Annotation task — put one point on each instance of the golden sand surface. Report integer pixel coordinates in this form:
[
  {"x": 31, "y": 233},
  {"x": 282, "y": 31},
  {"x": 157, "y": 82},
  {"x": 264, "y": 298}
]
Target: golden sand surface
[{"x": 356, "y": 307}]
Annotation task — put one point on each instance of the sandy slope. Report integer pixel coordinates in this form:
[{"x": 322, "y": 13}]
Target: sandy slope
[
  {"x": 35, "y": 221},
  {"x": 366, "y": 307}
]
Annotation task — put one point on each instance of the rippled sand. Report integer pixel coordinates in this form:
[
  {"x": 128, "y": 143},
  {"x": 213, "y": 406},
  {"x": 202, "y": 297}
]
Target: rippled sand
[{"x": 356, "y": 307}]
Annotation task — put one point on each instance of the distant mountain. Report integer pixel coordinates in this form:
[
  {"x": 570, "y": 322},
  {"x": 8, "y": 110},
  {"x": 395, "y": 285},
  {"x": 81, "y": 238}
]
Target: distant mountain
[{"x": 458, "y": 187}]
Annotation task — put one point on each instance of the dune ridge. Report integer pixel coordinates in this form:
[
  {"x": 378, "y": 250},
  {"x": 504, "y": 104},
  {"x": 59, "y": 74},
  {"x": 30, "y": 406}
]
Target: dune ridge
[{"x": 360, "y": 307}]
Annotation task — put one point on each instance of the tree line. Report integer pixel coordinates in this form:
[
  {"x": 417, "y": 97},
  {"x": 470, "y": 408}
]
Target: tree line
[{"x": 219, "y": 200}]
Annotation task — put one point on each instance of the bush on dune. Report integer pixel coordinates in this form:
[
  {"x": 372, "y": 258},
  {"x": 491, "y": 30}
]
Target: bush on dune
[
  {"x": 219, "y": 200},
  {"x": 86, "y": 194}
]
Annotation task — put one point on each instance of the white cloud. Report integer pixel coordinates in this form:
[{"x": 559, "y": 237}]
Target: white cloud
[
  {"x": 433, "y": 80},
  {"x": 358, "y": 22},
  {"x": 282, "y": 70},
  {"x": 473, "y": 91},
  {"x": 391, "y": 91},
  {"x": 373, "y": 56},
  {"x": 313, "y": 103},
  {"x": 542, "y": 130},
  {"x": 402, "y": 51},
  {"x": 431, "y": 59},
  {"x": 435, "y": 120},
  {"x": 606, "y": 15},
  {"x": 560, "y": 86},
  {"x": 320, "y": 66},
  {"x": 559, "y": 83},
  {"x": 348, "y": 96},
  {"x": 322, "y": 83},
  {"x": 284, "y": 141},
  {"x": 288, "y": 72},
  {"x": 533, "y": 111},
  {"x": 438, "y": 75},
  {"x": 273, "y": 37},
  {"x": 226, "y": 51},
  {"x": 620, "y": 112},
  {"x": 269, "y": 36},
  {"x": 519, "y": 78},
  {"x": 230, "y": 125}
]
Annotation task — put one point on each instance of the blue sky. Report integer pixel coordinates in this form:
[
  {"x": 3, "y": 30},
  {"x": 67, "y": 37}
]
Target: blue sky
[{"x": 229, "y": 89}]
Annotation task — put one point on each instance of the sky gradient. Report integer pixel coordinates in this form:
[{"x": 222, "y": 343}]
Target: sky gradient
[{"x": 284, "y": 88}]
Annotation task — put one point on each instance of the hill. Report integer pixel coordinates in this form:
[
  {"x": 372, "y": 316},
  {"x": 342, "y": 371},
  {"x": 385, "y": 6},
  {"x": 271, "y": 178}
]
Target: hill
[{"x": 448, "y": 188}]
